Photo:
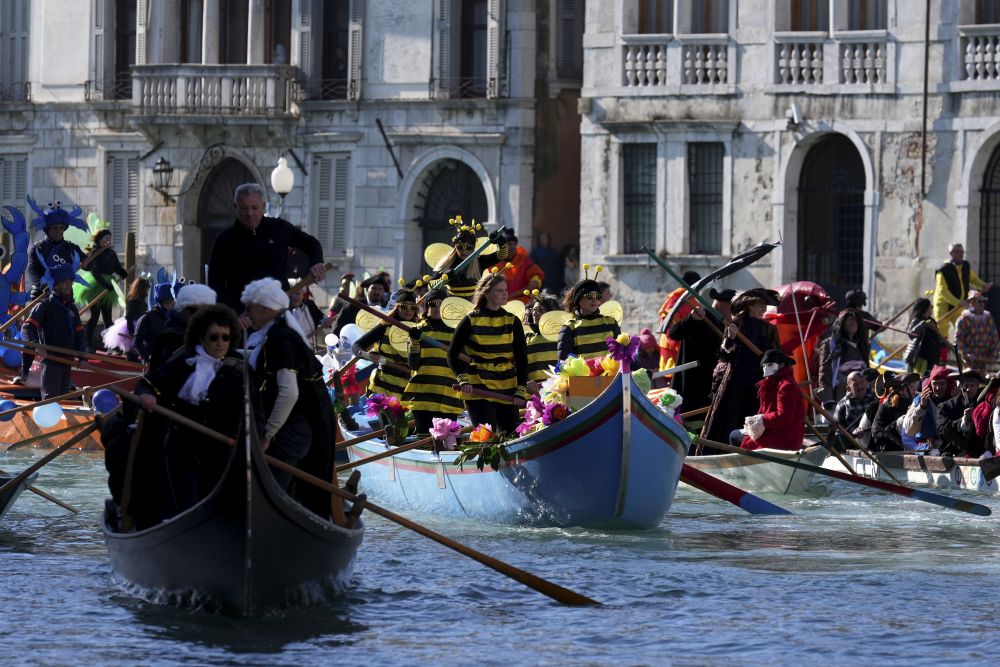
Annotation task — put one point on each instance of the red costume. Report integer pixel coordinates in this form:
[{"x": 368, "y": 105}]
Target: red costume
[
  {"x": 523, "y": 275},
  {"x": 783, "y": 411},
  {"x": 670, "y": 350}
]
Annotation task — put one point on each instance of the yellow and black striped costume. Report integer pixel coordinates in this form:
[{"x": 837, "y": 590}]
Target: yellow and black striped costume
[
  {"x": 463, "y": 286},
  {"x": 541, "y": 354},
  {"x": 430, "y": 385},
  {"x": 585, "y": 335},
  {"x": 385, "y": 380},
  {"x": 494, "y": 339}
]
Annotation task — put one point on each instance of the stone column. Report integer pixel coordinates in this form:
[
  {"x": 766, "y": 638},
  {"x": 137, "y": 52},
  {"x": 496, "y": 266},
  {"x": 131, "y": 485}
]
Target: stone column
[
  {"x": 255, "y": 33},
  {"x": 210, "y": 33}
]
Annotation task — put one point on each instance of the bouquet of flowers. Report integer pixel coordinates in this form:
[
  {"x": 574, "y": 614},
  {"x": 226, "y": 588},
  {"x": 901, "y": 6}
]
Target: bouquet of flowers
[
  {"x": 484, "y": 446},
  {"x": 446, "y": 431},
  {"x": 393, "y": 415}
]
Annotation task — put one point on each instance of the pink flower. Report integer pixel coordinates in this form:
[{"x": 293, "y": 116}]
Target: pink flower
[
  {"x": 446, "y": 430},
  {"x": 375, "y": 404},
  {"x": 554, "y": 412}
]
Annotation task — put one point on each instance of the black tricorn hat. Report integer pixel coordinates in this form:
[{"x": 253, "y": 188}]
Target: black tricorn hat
[
  {"x": 776, "y": 357},
  {"x": 725, "y": 295}
]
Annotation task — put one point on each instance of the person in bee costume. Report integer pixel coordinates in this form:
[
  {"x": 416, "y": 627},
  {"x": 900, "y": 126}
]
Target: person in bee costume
[
  {"x": 429, "y": 392},
  {"x": 542, "y": 352},
  {"x": 585, "y": 334},
  {"x": 391, "y": 377},
  {"x": 494, "y": 341},
  {"x": 463, "y": 244}
]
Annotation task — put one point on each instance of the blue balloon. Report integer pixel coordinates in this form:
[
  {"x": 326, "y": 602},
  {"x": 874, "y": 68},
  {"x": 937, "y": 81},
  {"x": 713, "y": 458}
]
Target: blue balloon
[
  {"x": 11, "y": 358},
  {"x": 5, "y": 405},
  {"x": 104, "y": 401}
]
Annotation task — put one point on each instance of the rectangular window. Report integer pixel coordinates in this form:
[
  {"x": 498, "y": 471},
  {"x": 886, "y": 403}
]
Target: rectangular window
[
  {"x": 122, "y": 193},
  {"x": 809, "y": 15},
  {"x": 569, "y": 40},
  {"x": 987, "y": 12},
  {"x": 656, "y": 17},
  {"x": 867, "y": 15},
  {"x": 705, "y": 197},
  {"x": 332, "y": 172},
  {"x": 336, "y": 22},
  {"x": 639, "y": 176},
  {"x": 472, "y": 49},
  {"x": 710, "y": 17},
  {"x": 14, "y": 23}
]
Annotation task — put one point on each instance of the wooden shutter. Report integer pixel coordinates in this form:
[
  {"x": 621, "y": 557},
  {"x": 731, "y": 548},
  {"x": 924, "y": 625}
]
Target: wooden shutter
[
  {"x": 355, "y": 48},
  {"x": 141, "y": 18},
  {"x": 494, "y": 50},
  {"x": 330, "y": 209},
  {"x": 304, "y": 44},
  {"x": 123, "y": 197},
  {"x": 569, "y": 38},
  {"x": 14, "y": 180},
  {"x": 14, "y": 25},
  {"x": 444, "y": 48}
]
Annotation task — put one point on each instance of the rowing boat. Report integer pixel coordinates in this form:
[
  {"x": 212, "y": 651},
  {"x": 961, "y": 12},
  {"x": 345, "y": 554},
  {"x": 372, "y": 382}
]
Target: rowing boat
[
  {"x": 22, "y": 426},
  {"x": 9, "y": 497},
  {"x": 614, "y": 463},
  {"x": 759, "y": 476},
  {"x": 245, "y": 548},
  {"x": 943, "y": 472}
]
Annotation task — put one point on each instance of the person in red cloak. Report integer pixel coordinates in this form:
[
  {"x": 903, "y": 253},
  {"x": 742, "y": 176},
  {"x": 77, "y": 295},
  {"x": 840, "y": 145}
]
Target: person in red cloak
[
  {"x": 781, "y": 421},
  {"x": 521, "y": 273}
]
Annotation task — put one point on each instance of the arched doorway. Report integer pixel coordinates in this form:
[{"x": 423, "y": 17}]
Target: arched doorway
[
  {"x": 831, "y": 217},
  {"x": 449, "y": 188},
  {"x": 988, "y": 266},
  {"x": 215, "y": 203}
]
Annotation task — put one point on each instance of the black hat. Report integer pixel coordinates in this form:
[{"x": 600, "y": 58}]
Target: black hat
[
  {"x": 856, "y": 298},
  {"x": 583, "y": 287},
  {"x": 436, "y": 294},
  {"x": 776, "y": 357},
  {"x": 897, "y": 382},
  {"x": 768, "y": 296},
  {"x": 973, "y": 374},
  {"x": 725, "y": 295},
  {"x": 691, "y": 277}
]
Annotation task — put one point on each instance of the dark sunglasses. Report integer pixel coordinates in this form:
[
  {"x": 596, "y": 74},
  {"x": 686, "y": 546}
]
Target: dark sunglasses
[
  {"x": 591, "y": 295},
  {"x": 409, "y": 307},
  {"x": 467, "y": 247},
  {"x": 214, "y": 338}
]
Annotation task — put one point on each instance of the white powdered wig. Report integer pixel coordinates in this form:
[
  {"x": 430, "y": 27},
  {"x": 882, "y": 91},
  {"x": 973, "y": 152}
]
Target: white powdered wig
[
  {"x": 195, "y": 294},
  {"x": 265, "y": 292}
]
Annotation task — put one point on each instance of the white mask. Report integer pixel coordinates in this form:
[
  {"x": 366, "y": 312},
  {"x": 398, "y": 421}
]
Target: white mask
[{"x": 770, "y": 369}]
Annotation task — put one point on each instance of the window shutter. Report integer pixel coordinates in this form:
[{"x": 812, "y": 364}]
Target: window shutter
[
  {"x": 332, "y": 172},
  {"x": 123, "y": 200},
  {"x": 141, "y": 14},
  {"x": 493, "y": 48},
  {"x": 14, "y": 53},
  {"x": 569, "y": 56},
  {"x": 444, "y": 48},
  {"x": 97, "y": 73},
  {"x": 354, "y": 41},
  {"x": 14, "y": 180},
  {"x": 305, "y": 21}
]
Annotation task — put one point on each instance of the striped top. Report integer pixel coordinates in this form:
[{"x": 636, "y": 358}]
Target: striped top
[
  {"x": 494, "y": 339},
  {"x": 386, "y": 379},
  {"x": 541, "y": 354},
  {"x": 429, "y": 387},
  {"x": 585, "y": 335},
  {"x": 461, "y": 285}
]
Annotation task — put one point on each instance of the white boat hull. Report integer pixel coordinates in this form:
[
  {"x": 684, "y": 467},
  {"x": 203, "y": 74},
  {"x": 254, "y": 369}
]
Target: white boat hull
[
  {"x": 941, "y": 472},
  {"x": 758, "y": 476}
]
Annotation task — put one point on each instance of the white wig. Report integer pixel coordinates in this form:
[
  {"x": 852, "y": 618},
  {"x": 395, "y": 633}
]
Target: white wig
[
  {"x": 265, "y": 292},
  {"x": 195, "y": 294}
]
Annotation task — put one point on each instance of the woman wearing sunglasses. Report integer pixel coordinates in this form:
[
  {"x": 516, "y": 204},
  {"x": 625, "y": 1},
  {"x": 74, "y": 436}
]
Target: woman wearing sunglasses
[
  {"x": 494, "y": 340},
  {"x": 202, "y": 381},
  {"x": 429, "y": 392},
  {"x": 463, "y": 244},
  {"x": 391, "y": 377},
  {"x": 585, "y": 334}
]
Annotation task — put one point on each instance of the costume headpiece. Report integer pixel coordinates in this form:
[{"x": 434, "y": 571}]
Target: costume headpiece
[
  {"x": 743, "y": 301},
  {"x": 196, "y": 295},
  {"x": 55, "y": 214},
  {"x": 58, "y": 269},
  {"x": 586, "y": 269},
  {"x": 163, "y": 287},
  {"x": 725, "y": 296},
  {"x": 585, "y": 286},
  {"x": 776, "y": 357},
  {"x": 407, "y": 292},
  {"x": 499, "y": 269},
  {"x": 464, "y": 233},
  {"x": 265, "y": 292}
]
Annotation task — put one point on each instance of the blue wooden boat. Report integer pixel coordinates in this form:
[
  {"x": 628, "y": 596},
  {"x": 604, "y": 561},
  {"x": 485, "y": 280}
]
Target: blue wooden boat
[{"x": 614, "y": 463}]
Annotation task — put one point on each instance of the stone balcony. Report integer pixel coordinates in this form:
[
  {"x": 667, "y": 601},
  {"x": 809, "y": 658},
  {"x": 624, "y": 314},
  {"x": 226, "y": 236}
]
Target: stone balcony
[
  {"x": 256, "y": 93},
  {"x": 677, "y": 64},
  {"x": 842, "y": 62},
  {"x": 978, "y": 59}
]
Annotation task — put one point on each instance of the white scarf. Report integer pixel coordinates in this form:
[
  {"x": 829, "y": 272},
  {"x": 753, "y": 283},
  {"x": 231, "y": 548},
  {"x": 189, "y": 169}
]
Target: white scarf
[{"x": 196, "y": 386}]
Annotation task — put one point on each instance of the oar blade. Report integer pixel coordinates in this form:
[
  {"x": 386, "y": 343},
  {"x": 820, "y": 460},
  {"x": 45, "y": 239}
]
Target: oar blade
[{"x": 725, "y": 491}]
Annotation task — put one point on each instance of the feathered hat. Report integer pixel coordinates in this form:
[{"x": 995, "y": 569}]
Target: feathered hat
[
  {"x": 463, "y": 233},
  {"x": 55, "y": 214}
]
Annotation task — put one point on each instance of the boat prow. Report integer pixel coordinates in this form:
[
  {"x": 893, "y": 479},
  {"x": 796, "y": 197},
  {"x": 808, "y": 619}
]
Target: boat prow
[{"x": 9, "y": 497}]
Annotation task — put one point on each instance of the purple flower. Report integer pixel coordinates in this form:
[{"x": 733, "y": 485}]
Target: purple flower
[
  {"x": 554, "y": 412},
  {"x": 375, "y": 404},
  {"x": 621, "y": 351},
  {"x": 446, "y": 430}
]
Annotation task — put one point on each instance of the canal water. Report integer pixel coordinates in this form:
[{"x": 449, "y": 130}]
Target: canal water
[{"x": 854, "y": 577}]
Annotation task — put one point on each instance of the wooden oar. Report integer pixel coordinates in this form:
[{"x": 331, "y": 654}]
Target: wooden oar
[
  {"x": 725, "y": 491},
  {"x": 486, "y": 393},
  {"x": 915, "y": 494},
  {"x": 367, "y": 436},
  {"x": 883, "y": 326},
  {"x": 66, "y": 362},
  {"x": 390, "y": 452},
  {"x": 49, "y": 497},
  {"x": 676, "y": 369},
  {"x": 124, "y": 363},
  {"x": 27, "y": 472},
  {"x": 44, "y": 436},
  {"x": 990, "y": 468},
  {"x": 554, "y": 591},
  {"x": 133, "y": 445},
  {"x": 696, "y": 412},
  {"x": 382, "y": 361},
  {"x": 306, "y": 282},
  {"x": 63, "y": 397},
  {"x": 93, "y": 301},
  {"x": 21, "y": 314}
]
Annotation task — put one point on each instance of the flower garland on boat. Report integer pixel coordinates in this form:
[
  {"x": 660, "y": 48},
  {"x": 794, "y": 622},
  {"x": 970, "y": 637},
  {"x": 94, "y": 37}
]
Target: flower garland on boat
[
  {"x": 485, "y": 447},
  {"x": 393, "y": 414}
]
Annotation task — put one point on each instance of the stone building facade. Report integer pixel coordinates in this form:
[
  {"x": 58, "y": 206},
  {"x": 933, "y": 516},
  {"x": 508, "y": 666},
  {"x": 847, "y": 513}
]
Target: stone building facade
[
  {"x": 709, "y": 126},
  {"x": 394, "y": 116}
]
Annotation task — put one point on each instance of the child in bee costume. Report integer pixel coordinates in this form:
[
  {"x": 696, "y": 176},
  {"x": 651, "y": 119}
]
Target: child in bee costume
[
  {"x": 429, "y": 392},
  {"x": 392, "y": 375},
  {"x": 463, "y": 243},
  {"x": 585, "y": 334},
  {"x": 542, "y": 352}
]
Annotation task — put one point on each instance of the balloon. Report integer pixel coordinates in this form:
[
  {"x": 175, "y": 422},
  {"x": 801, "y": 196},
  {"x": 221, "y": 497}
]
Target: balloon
[
  {"x": 5, "y": 405},
  {"x": 11, "y": 358},
  {"x": 331, "y": 340},
  {"x": 349, "y": 334},
  {"x": 104, "y": 401},
  {"x": 48, "y": 415}
]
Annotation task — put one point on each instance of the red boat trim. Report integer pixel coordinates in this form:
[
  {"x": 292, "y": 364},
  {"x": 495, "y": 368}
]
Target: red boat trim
[{"x": 643, "y": 414}]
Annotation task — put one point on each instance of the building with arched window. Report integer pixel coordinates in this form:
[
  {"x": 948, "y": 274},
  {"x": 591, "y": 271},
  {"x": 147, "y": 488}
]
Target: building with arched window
[
  {"x": 711, "y": 126},
  {"x": 394, "y": 116}
]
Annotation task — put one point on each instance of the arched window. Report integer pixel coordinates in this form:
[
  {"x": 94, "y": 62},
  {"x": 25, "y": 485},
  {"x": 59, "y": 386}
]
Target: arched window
[
  {"x": 450, "y": 188},
  {"x": 989, "y": 221}
]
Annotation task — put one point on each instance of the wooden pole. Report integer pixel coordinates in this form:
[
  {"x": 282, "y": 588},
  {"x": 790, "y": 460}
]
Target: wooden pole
[
  {"x": 21, "y": 314},
  {"x": 124, "y": 363},
  {"x": 133, "y": 445},
  {"x": 44, "y": 436},
  {"x": 392, "y": 452}
]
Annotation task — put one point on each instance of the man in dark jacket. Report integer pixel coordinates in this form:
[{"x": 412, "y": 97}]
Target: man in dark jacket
[
  {"x": 699, "y": 342},
  {"x": 56, "y": 321},
  {"x": 255, "y": 247}
]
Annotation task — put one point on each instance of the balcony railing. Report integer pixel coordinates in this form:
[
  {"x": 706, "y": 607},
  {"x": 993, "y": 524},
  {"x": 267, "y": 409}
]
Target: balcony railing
[
  {"x": 645, "y": 60},
  {"x": 118, "y": 88},
  {"x": 706, "y": 59},
  {"x": 852, "y": 59},
  {"x": 658, "y": 61},
  {"x": 980, "y": 45},
  {"x": 18, "y": 91},
  {"x": 229, "y": 90}
]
